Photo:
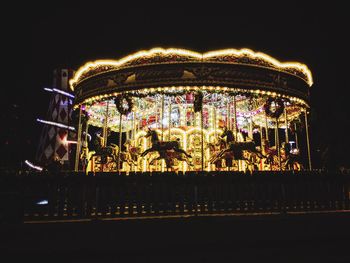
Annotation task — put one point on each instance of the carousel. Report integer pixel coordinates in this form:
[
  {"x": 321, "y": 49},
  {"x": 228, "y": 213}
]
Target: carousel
[{"x": 179, "y": 110}]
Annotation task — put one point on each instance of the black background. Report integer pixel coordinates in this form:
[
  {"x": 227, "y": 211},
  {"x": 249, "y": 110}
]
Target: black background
[{"x": 39, "y": 37}]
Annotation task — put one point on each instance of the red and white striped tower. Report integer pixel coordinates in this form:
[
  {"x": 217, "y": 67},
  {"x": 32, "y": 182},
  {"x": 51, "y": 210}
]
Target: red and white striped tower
[{"x": 53, "y": 141}]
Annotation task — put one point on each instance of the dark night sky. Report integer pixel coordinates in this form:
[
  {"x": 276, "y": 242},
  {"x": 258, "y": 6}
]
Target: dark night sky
[{"x": 66, "y": 34}]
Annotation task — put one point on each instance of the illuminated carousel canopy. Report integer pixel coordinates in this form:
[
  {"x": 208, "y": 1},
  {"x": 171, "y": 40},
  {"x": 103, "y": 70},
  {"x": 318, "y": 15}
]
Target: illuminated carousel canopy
[
  {"x": 177, "y": 106},
  {"x": 227, "y": 70}
]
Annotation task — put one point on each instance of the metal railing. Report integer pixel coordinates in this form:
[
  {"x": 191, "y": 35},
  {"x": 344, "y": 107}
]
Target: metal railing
[{"x": 70, "y": 195}]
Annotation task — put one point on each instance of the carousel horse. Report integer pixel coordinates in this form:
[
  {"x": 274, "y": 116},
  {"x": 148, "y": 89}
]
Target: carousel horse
[
  {"x": 169, "y": 156},
  {"x": 84, "y": 154},
  {"x": 215, "y": 149},
  {"x": 130, "y": 154},
  {"x": 133, "y": 151},
  {"x": 163, "y": 147},
  {"x": 236, "y": 148},
  {"x": 104, "y": 151},
  {"x": 293, "y": 160},
  {"x": 270, "y": 152}
]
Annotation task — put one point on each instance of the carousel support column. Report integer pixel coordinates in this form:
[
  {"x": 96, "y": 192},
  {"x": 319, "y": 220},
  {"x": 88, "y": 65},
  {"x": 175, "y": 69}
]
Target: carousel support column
[
  {"x": 262, "y": 148},
  {"x": 86, "y": 143},
  {"x": 86, "y": 132},
  {"x": 202, "y": 138},
  {"x": 169, "y": 122},
  {"x": 229, "y": 114},
  {"x": 276, "y": 128},
  {"x": 162, "y": 122},
  {"x": 286, "y": 129},
  {"x": 250, "y": 131},
  {"x": 214, "y": 120},
  {"x": 77, "y": 153},
  {"x": 267, "y": 142},
  {"x": 278, "y": 145},
  {"x": 156, "y": 117},
  {"x": 262, "y": 140},
  {"x": 137, "y": 127},
  {"x": 228, "y": 123},
  {"x": 286, "y": 124},
  {"x": 133, "y": 135},
  {"x": 183, "y": 117},
  {"x": 162, "y": 117},
  {"x": 105, "y": 126},
  {"x": 296, "y": 136},
  {"x": 235, "y": 126},
  {"x": 250, "y": 135},
  {"x": 307, "y": 140},
  {"x": 120, "y": 141},
  {"x": 137, "y": 122},
  {"x": 266, "y": 130},
  {"x": 127, "y": 134}
]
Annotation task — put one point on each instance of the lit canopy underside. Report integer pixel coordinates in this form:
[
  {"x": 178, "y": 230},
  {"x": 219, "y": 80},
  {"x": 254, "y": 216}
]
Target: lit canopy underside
[{"x": 148, "y": 110}]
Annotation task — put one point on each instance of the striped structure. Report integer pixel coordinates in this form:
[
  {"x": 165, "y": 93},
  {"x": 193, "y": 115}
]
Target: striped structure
[{"x": 53, "y": 139}]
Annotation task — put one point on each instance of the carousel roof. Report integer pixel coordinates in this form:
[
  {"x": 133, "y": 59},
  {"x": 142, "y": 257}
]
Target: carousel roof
[
  {"x": 158, "y": 70},
  {"x": 158, "y": 56}
]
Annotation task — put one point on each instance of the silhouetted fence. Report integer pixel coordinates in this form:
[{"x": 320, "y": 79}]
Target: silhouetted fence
[{"x": 106, "y": 195}]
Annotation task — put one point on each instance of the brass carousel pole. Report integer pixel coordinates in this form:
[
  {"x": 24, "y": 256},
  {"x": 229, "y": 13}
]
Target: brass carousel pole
[
  {"x": 228, "y": 123},
  {"x": 276, "y": 135},
  {"x": 235, "y": 127},
  {"x": 86, "y": 132},
  {"x": 307, "y": 140},
  {"x": 286, "y": 131},
  {"x": 134, "y": 128},
  {"x": 296, "y": 136},
  {"x": 183, "y": 120},
  {"x": 133, "y": 137},
  {"x": 266, "y": 130},
  {"x": 127, "y": 133},
  {"x": 250, "y": 132},
  {"x": 202, "y": 138},
  {"x": 267, "y": 142},
  {"x": 105, "y": 126},
  {"x": 120, "y": 141},
  {"x": 286, "y": 123},
  {"x": 228, "y": 114},
  {"x": 169, "y": 122},
  {"x": 162, "y": 117},
  {"x": 262, "y": 140},
  {"x": 86, "y": 149},
  {"x": 137, "y": 121},
  {"x": 278, "y": 145},
  {"x": 77, "y": 153},
  {"x": 214, "y": 120}
]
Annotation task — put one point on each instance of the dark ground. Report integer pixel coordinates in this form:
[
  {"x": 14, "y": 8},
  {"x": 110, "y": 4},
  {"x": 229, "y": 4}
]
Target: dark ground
[{"x": 292, "y": 238}]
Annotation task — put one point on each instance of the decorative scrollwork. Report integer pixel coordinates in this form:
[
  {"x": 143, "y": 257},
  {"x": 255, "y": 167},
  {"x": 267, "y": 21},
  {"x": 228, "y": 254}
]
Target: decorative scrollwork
[{"x": 120, "y": 78}]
